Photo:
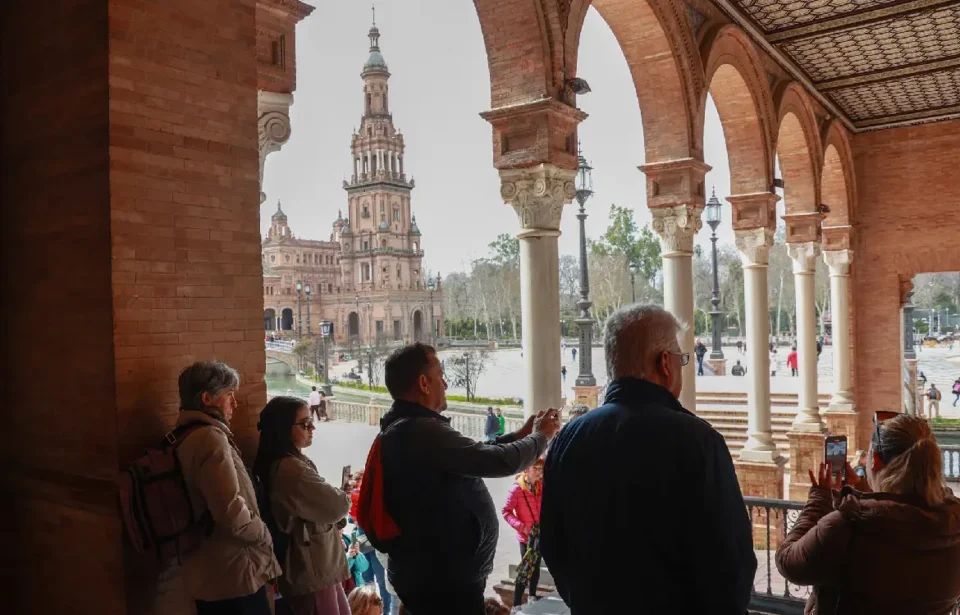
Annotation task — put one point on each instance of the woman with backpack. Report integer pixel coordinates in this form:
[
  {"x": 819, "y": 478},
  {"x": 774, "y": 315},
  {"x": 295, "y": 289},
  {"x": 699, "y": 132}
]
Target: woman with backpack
[
  {"x": 305, "y": 512},
  {"x": 228, "y": 573},
  {"x": 522, "y": 512}
]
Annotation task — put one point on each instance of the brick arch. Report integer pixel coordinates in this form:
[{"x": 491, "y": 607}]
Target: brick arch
[
  {"x": 661, "y": 52},
  {"x": 838, "y": 188},
  {"x": 799, "y": 150},
  {"x": 524, "y": 42},
  {"x": 738, "y": 83}
]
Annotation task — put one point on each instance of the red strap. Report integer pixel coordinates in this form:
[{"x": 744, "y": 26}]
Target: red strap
[{"x": 372, "y": 515}]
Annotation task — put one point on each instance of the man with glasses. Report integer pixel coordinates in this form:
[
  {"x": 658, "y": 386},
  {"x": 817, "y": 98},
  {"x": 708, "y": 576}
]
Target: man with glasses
[{"x": 660, "y": 479}]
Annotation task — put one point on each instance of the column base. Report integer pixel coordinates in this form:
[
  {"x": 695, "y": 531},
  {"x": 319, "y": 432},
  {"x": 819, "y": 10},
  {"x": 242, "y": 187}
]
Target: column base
[
  {"x": 765, "y": 480},
  {"x": 588, "y": 396},
  {"x": 719, "y": 366},
  {"x": 808, "y": 420},
  {"x": 806, "y": 453},
  {"x": 843, "y": 423}
]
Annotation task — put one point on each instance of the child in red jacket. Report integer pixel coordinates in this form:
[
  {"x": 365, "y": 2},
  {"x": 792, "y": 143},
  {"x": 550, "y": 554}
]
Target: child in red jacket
[{"x": 522, "y": 512}]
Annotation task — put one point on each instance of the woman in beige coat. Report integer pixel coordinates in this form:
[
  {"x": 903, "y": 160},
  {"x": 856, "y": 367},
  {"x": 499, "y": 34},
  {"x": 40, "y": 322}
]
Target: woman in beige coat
[
  {"x": 306, "y": 510},
  {"x": 229, "y": 572}
]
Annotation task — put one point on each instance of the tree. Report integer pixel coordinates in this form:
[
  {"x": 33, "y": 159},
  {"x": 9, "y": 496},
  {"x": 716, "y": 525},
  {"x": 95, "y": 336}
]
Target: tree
[
  {"x": 466, "y": 368},
  {"x": 303, "y": 350},
  {"x": 376, "y": 356},
  {"x": 638, "y": 246}
]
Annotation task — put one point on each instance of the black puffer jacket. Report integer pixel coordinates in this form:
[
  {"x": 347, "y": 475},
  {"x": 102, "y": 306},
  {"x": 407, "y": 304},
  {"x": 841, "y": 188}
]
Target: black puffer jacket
[{"x": 433, "y": 489}]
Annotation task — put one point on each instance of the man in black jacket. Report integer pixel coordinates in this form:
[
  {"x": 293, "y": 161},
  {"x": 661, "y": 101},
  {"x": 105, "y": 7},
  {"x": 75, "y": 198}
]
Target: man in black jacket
[
  {"x": 433, "y": 488},
  {"x": 646, "y": 477}
]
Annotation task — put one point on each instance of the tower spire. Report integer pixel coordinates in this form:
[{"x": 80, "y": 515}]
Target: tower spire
[{"x": 374, "y": 32}]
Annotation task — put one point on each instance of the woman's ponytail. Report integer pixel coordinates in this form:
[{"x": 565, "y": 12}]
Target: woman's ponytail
[{"x": 918, "y": 470}]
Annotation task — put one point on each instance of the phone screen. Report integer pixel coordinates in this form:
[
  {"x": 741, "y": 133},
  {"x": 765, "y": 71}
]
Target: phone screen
[
  {"x": 835, "y": 449},
  {"x": 345, "y": 478}
]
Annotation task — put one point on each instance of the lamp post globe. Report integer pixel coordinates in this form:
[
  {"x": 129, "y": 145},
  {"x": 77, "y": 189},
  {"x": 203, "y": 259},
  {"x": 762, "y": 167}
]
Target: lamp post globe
[{"x": 633, "y": 281}]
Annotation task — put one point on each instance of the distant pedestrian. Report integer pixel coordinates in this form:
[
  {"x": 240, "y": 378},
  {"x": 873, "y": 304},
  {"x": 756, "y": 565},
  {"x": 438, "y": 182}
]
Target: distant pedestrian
[
  {"x": 492, "y": 427},
  {"x": 773, "y": 361},
  {"x": 819, "y": 348},
  {"x": 740, "y": 346},
  {"x": 501, "y": 423},
  {"x": 522, "y": 512},
  {"x": 700, "y": 350},
  {"x": 563, "y": 372},
  {"x": 313, "y": 400},
  {"x": 738, "y": 370},
  {"x": 956, "y": 391},
  {"x": 792, "y": 361},
  {"x": 574, "y": 352},
  {"x": 933, "y": 401}
]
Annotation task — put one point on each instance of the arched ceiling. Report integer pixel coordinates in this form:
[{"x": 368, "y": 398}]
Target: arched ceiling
[{"x": 879, "y": 63}]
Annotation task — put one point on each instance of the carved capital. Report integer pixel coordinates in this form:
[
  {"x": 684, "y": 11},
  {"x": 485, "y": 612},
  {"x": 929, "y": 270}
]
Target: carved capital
[
  {"x": 755, "y": 244},
  {"x": 906, "y": 290},
  {"x": 802, "y": 228},
  {"x": 273, "y": 125},
  {"x": 837, "y": 237},
  {"x": 804, "y": 256},
  {"x": 754, "y": 210},
  {"x": 838, "y": 261},
  {"x": 538, "y": 195},
  {"x": 676, "y": 227}
]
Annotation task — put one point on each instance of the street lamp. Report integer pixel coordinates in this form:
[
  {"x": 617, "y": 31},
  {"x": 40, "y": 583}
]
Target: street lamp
[
  {"x": 299, "y": 312},
  {"x": 584, "y": 185},
  {"x": 908, "y": 350},
  {"x": 306, "y": 289},
  {"x": 713, "y": 219},
  {"x": 633, "y": 282},
  {"x": 326, "y": 327},
  {"x": 431, "y": 286}
]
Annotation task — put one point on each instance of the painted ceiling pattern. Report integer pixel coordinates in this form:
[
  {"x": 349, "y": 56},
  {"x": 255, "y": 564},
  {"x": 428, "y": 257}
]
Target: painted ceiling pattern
[{"x": 882, "y": 62}]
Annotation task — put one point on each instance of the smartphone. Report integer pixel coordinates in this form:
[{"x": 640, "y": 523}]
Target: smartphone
[
  {"x": 835, "y": 453},
  {"x": 345, "y": 478}
]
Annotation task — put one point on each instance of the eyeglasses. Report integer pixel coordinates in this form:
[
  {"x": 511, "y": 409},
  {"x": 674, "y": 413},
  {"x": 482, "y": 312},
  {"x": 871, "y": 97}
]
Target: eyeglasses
[
  {"x": 306, "y": 425},
  {"x": 684, "y": 358},
  {"x": 879, "y": 417}
]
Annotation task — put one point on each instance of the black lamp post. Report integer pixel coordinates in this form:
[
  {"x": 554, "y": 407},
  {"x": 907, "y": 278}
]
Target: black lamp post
[
  {"x": 908, "y": 343},
  {"x": 633, "y": 282},
  {"x": 326, "y": 327},
  {"x": 307, "y": 290},
  {"x": 585, "y": 322},
  {"x": 713, "y": 219},
  {"x": 299, "y": 312},
  {"x": 431, "y": 286}
]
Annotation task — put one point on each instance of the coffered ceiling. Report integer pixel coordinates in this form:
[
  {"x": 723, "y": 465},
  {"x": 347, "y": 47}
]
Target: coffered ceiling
[{"x": 879, "y": 62}]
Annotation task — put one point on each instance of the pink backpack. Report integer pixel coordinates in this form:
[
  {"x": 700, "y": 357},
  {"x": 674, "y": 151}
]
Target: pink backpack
[{"x": 155, "y": 503}]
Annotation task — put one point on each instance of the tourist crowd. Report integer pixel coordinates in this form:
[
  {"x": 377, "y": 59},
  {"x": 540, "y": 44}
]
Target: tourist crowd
[{"x": 635, "y": 507}]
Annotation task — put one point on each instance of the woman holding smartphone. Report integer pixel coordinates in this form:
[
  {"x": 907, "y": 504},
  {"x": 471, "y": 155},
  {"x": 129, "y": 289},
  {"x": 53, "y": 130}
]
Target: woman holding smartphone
[
  {"x": 895, "y": 550},
  {"x": 522, "y": 512},
  {"x": 305, "y": 509}
]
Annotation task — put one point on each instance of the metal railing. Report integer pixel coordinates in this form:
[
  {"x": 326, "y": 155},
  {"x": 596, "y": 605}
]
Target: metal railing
[{"x": 771, "y": 520}]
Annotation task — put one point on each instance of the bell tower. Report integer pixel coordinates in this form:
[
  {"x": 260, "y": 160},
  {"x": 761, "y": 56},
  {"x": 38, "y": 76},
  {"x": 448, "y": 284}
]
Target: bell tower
[{"x": 381, "y": 246}]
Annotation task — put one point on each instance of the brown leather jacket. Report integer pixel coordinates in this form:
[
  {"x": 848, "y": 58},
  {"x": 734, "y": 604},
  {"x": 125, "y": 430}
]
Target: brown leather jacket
[{"x": 874, "y": 553}]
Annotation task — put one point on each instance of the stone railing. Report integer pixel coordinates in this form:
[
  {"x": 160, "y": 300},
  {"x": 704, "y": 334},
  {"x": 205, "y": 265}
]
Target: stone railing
[{"x": 470, "y": 425}]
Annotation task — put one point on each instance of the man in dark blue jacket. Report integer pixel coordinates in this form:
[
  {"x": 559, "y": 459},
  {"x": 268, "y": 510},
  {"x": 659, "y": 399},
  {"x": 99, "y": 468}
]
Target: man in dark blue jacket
[
  {"x": 433, "y": 488},
  {"x": 655, "y": 482}
]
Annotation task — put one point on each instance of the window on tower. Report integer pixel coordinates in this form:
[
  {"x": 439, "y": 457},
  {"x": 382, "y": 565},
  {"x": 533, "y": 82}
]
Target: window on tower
[{"x": 396, "y": 214}]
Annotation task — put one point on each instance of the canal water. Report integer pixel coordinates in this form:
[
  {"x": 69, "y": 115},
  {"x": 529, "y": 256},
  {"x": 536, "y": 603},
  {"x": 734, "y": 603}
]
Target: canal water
[{"x": 280, "y": 379}]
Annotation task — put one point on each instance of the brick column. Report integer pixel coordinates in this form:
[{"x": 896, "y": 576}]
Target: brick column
[{"x": 675, "y": 196}]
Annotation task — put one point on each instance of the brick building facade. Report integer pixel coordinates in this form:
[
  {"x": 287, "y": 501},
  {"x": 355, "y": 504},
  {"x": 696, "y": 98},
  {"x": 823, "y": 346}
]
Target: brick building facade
[{"x": 368, "y": 278}]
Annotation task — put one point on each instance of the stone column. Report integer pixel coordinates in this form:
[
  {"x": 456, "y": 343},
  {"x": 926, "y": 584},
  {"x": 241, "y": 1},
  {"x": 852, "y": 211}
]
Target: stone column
[
  {"x": 804, "y": 257},
  {"x": 760, "y": 467},
  {"x": 538, "y": 195},
  {"x": 273, "y": 125},
  {"x": 675, "y": 196},
  {"x": 841, "y": 417},
  {"x": 676, "y": 227}
]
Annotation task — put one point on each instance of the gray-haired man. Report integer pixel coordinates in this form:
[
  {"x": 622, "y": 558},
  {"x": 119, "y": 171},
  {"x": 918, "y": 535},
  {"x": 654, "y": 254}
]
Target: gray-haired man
[{"x": 659, "y": 480}]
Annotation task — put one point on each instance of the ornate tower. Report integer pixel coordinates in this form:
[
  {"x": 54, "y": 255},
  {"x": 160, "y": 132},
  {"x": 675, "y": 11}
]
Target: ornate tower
[
  {"x": 278, "y": 225},
  {"x": 379, "y": 240}
]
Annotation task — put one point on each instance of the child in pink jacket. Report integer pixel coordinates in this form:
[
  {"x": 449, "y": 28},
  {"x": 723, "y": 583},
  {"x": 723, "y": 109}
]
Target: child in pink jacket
[{"x": 522, "y": 512}]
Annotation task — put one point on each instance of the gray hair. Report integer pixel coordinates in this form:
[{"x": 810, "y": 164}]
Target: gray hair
[
  {"x": 635, "y": 335},
  {"x": 211, "y": 377}
]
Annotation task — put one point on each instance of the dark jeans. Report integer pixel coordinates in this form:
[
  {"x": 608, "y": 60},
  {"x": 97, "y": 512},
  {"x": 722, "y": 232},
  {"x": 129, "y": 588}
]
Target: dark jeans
[
  {"x": 534, "y": 580},
  {"x": 254, "y": 604},
  {"x": 793, "y": 371},
  {"x": 376, "y": 571},
  {"x": 445, "y": 600},
  {"x": 699, "y": 366}
]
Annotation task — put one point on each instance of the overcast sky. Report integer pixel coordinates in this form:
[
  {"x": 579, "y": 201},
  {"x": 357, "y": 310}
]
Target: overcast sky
[{"x": 439, "y": 84}]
